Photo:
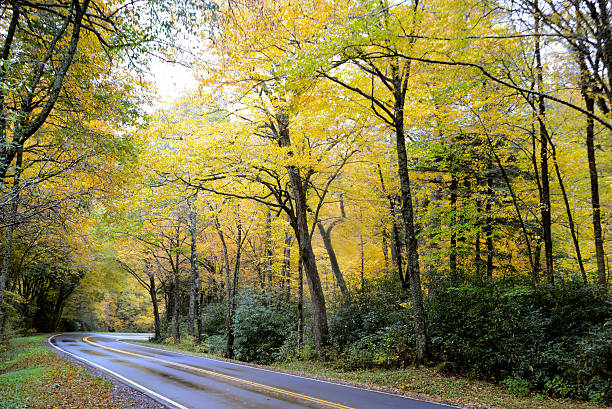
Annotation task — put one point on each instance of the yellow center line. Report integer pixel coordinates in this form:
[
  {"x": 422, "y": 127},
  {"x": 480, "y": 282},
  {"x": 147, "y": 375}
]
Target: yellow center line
[{"x": 220, "y": 375}]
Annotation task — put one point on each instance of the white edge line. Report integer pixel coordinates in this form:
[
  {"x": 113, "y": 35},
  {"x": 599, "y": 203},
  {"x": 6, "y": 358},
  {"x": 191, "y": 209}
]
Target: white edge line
[
  {"x": 116, "y": 375},
  {"x": 297, "y": 376}
]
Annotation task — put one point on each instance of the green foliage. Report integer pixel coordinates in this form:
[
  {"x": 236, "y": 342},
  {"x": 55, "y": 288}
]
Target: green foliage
[
  {"x": 517, "y": 385},
  {"x": 213, "y": 318},
  {"x": 216, "y": 344},
  {"x": 374, "y": 330},
  {"x": 261, "y": 324},
  {"x": 554, "y": 338}
]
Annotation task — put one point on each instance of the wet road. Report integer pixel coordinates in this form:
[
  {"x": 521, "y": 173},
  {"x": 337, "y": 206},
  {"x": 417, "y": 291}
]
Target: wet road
[{"x": 184, "y": 381}]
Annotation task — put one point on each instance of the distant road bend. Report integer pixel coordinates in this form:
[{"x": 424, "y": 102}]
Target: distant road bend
[{"x": 185, "y": 381}]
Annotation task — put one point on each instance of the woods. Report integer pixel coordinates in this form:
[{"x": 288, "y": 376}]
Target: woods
[{"x": 373, "y": 184}]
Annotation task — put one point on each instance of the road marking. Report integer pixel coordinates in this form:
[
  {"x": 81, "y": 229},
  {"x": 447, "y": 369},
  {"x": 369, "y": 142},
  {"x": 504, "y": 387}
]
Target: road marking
[
  {"x": 123, "y": 378},
  {"x": 344, "y": 385},
  {"x": 220, "y": 375}
]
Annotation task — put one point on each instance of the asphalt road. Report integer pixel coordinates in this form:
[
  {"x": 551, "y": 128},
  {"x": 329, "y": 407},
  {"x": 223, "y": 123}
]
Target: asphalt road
[{"x": 185, "y": 381}]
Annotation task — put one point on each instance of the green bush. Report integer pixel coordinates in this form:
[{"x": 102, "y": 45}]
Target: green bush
[
  {"x": 375, "y": 329},
  {"x": 517, "y": 385},
  {"x": 261, "y": 324},
  {"x": 213, "y": 318},
  {"x": 554, "y": 338}
]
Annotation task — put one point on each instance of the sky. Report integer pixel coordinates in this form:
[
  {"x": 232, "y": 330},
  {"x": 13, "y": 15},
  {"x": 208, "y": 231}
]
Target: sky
[{"x": 171, "y": 81}]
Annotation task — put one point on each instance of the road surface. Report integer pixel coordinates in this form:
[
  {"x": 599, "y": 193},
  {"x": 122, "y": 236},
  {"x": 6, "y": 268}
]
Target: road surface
[{"x": 183, "y": 381}]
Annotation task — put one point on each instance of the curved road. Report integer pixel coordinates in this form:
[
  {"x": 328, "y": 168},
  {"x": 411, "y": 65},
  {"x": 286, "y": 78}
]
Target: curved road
[{"x": 184, "y": 381}]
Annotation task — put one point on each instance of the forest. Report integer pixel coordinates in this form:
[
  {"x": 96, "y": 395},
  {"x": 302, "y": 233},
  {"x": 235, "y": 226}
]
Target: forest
[{"x": 371, "y": 183}]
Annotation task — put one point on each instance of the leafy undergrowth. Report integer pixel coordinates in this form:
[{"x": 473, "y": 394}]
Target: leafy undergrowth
[
  {"x": 426, "y": 382},
  {"x": 423, "y": 383},
  {"x": 31, "y": 376}
]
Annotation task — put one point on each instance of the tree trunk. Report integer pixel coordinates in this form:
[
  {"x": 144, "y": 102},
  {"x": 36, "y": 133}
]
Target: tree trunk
[
  {"x": 488, "y": 228},
  {"x": 300, "y": 307},
  {"x": 268, "y": 271},
  {"x": 568, "y": 211},
  {"x": 477, "y": 259},
  {"x": 384, "y": 245},
  {"x": 194, "y": 278},
  {"x": 286, "y": 270},
  {"x": 300, "y": 225},
  {"x": 545, "y": 207},
  {"x": 596, "y": 213},
  {"x": 396, "y": 244},
  {"x": 452, "y": 257},
  {"x": 229, "y": 351},
  {"x": 413, "y": 268},
  {"x": 153, "y": 294},
  {"x": 199, "y": 316},
  {"x": 230, "y": 332},
  {"x": 8, "y": 238},
  {"x": 175, "y": 316},
  {"x": 333, "y": 261},
  {"x": 586, "y": 88}
]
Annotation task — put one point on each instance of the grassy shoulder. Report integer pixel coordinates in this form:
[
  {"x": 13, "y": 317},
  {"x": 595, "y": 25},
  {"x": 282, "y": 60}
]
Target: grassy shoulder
[
  {"x": 32, "y": 376},
  {"x": 425, "y": 383}
]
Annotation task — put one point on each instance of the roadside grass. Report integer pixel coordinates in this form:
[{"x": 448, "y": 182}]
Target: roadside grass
[
  {"x": 424, "y": 383},
  {"x": 32, "y": 376}
]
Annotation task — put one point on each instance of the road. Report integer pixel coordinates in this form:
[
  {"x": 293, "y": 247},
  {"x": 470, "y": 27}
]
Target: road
[{"x": 183, "y": 381}]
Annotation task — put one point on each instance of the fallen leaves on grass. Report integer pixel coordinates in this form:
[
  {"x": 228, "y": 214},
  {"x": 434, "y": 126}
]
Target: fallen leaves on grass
[{"x": 38, "y": 379}]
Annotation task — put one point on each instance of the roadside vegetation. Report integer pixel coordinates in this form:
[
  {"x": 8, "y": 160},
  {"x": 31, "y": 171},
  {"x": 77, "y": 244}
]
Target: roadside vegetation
[
  {"x": 32, "y": 376},
  {"x": 505, "y": 344}
]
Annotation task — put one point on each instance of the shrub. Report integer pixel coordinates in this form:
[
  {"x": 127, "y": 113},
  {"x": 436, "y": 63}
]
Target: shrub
[
  {"x": 374, "y": 330},
  {"x": 261, "y": 324},
  {"x": 554, "y": 338}
]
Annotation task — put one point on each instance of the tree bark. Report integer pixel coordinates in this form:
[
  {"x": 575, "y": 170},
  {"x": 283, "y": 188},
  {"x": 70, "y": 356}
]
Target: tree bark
[
  {"x": 194, "y": 278},
  {"x": 230, "y": 334},
  {"x": 395, "y": 245},
  {"x": 568, "y": 211},
  {"x": 229, "y": 347},
  {"x": 545, "y": 206},
  {"x": 300, "y": 225},
  {"x": 488, "y": 228},
  {"x": 333, "y": 261},
  {"x": 286, "y": 269},
  {"x": 156, "y": 320},
  {"x": 175, "y": 313},
  {"x": 452, "y": 257},
  {"x": 586, "y": 88},
  {"x": 413, "y": 268},
  {"x": 596, "y": 209},
  {"x": 300, "y": 306},
  {"x": 268, "y": 256},
  {"x": 23, "y": 130},
  {"x": 8, "y": 239}
]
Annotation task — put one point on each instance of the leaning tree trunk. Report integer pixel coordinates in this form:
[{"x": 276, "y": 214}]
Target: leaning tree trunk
[
  {"x": 300, "y": 225},
  {"x": 333, "y": 260},
  {"x": 396, "y": 244}
]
